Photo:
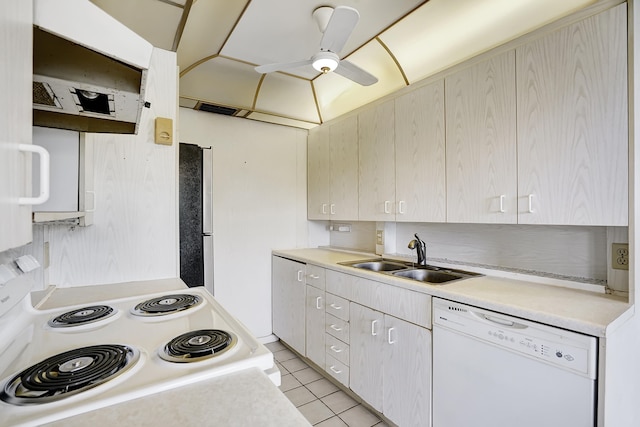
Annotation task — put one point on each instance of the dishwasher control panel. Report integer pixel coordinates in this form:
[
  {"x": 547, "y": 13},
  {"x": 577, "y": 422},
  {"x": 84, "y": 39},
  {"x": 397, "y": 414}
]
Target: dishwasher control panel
[{"x": 570, "y": 350}]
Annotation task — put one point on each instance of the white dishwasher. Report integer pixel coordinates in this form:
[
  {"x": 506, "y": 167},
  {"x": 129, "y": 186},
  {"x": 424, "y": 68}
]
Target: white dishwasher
[{"x": 492, "y": 370}]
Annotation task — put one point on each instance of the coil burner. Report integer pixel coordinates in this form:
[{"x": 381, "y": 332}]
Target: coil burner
[
  {"x": 167, "y": 304},
  {"x": 82, "y": 316},
  {"x": 69, "y": 373},
  {"x": 198, "y": 345}
]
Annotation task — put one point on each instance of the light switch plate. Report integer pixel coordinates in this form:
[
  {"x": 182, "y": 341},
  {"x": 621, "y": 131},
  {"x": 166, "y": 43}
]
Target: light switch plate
[
  {"x": 379, "y": 237},
  {"x": 164, "y": 131}
]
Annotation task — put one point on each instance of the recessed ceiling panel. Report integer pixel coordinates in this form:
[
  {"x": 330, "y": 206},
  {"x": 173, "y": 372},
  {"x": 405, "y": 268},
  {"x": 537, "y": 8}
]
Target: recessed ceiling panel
[
  {"x": 284, "y": 30},
  {"x": 338, "y": 95},
  {"x": 159, "y": 24},
  {"x": 221, "y": 81},
  {"x": 442, "y": 33},
  {"x": 207, "y": 27},
  {"x": 287, "y": 96}
]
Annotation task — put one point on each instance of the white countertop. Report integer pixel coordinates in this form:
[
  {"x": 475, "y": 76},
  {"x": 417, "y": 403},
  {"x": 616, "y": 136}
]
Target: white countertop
[
  {"x": 591, "y": 313},
  {"x": 245, "y": 398}
]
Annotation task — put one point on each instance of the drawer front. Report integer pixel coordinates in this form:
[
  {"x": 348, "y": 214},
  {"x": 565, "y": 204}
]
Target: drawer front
[
  {"x": 337, "y": 306},
  {"x": 337, "y": 349},
  {"x": 315, "y": 276},
  {"x": 405, "y": 304},
  {"x": 338, "y": 370},
  {"x": 337, "y": 327}
]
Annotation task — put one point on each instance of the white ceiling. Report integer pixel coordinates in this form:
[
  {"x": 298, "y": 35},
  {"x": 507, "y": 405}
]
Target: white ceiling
[{"x": 219, "y": 42}]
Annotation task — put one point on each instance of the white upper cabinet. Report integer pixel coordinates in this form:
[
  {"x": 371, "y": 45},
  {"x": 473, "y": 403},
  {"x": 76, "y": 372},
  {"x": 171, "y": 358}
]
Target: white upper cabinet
[
  {"x": 318, "y": 159},
  {"x": 420, "y": 155},
  {"x": 572, "y": 124},
  {"x": 333, "y": 171},
  {"x": 377, "y": 163},
  {"x": 481, "y": 142},
  {"x": 344, "y": 169},
  {"x": 16, "y": 33}
]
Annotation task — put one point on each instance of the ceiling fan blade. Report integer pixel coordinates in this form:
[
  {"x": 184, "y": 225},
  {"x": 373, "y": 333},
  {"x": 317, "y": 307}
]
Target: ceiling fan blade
[
  {"x": 353, "y": 72},
  {"x": 281, "y": 66},
  {"x": 341, "y": 24}
]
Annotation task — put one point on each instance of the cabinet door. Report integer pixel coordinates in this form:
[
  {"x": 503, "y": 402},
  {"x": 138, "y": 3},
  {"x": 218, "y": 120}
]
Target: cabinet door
[
  {"x": 420, "y": 155},
  {"x": 318, "y": 183},
  {"x": 344, "y": 169},
  {"x": 407, "y": 373},
  {"x": 572, "y": 124},
  {"x": 16, "y": 33},
  {"x": 366, "y": 357},
  {"x": 481, "y": 142},
  {"x": 288, "y": 301},
  {"x": 315, "y": 349},
  {"x": 376, "y": 153}
]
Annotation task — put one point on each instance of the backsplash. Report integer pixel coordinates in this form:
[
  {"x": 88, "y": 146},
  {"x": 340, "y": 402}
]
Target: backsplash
[{"x": 575, "y": 252}]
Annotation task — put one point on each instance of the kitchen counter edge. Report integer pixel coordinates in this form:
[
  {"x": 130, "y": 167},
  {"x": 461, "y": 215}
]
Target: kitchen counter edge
[{"x": 581, "y": 311}]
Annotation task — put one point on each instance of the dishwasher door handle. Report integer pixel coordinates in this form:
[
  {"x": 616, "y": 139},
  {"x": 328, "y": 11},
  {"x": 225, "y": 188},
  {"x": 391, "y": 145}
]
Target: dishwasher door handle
[{"x": 500, "y": 321}]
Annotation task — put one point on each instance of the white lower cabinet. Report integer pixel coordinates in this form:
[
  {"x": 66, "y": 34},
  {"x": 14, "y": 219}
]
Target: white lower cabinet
[
  {"x": 390, "y": 365},
  {"x": 288, "y": 302},
  {"x": 315, "y": 320}
]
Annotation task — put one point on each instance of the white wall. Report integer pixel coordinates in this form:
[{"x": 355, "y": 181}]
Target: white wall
[
  {"x": 134, "y": 236},
  {"x": 259, "y": 198}
]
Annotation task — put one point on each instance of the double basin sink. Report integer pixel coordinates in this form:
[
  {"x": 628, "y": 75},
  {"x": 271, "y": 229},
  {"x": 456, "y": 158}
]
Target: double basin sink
[{"x": 421, "y": 273}]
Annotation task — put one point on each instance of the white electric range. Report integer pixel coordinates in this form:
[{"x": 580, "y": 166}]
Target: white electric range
[{"x": 65, "y": 360}]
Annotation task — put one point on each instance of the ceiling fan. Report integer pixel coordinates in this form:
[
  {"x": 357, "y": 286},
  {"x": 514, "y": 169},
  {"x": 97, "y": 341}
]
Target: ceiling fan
[{"x": 336, "y": 26}]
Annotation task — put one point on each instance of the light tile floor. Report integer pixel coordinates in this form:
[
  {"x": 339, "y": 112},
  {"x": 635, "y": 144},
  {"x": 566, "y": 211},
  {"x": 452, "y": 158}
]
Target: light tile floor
[{"x": 318, "y": 399}]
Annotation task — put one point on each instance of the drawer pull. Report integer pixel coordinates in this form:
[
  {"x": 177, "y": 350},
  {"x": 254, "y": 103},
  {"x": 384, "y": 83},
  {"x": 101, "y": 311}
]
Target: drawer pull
[
  {"x": 318, "y": 304},
  {"x": 389, "y": 340},
  {"x": 335, "y": 349},
  {"x": 313, "y": 276},
  {"x": 335, "y": 328},
  {"x": 334, "y": 370},
  {"x": 335, "y": 307}
]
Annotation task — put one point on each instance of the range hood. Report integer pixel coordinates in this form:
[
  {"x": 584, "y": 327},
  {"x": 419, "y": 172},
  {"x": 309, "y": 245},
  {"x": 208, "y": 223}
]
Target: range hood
[{"x": 89, "y": 70}]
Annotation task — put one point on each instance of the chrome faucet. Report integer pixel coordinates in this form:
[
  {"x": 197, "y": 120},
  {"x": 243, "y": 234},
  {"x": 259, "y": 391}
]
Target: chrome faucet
[{"x": 420, "y": 248}]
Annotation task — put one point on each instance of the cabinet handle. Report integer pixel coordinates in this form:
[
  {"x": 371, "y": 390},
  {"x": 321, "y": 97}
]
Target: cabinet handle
[
  {"x": 335, "y": 307},
  {"x": 530, "y": 203},
  {"x": 324, "y": 209},
  {"x": 373, "y": 328},
  {"x": 389, "y": 340},
  {"x": 335, "y": 349},
  {"x": 386, "y": 207},
  {"x": 401, "y": 205},
  {"x": 333, "y": 209},
  {"x": 44, "y": 175},
  {"x": 313, "y": 276},
  {"x": 335, "y": 328},
  {"x": 502, "y": 196},
  {"x": 299, "y": 275},
  {"x": 318, "y": 306},
  {"x": 334, "y": 370}
]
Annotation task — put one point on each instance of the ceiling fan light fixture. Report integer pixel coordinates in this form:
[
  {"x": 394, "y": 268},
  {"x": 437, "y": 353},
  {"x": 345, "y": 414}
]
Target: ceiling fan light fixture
[{"x": 325, "y": 62}]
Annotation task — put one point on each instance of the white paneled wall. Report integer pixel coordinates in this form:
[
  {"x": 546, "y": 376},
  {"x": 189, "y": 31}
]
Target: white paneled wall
[
  {"x": 134, "y": 236},
  {"x": 260, "y": 204}
]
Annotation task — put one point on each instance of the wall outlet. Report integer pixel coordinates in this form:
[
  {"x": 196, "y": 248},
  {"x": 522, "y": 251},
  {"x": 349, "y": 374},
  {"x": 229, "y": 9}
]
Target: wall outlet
[
  {"x": 379, "y": 237},
  {"x": 620, "y": 256}
]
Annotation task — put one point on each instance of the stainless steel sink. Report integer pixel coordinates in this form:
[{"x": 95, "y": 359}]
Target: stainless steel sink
[
  {"x": 409, "y": 270},
  {"x": 379, "y": 265},
  {"x": 428, "y": 276}
]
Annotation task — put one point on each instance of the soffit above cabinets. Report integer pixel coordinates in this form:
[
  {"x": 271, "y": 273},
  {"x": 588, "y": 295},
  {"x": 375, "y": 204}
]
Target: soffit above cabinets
[{"x": 219, "y": 42}]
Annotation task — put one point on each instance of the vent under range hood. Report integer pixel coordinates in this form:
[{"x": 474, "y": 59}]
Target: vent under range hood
[{"x": 89, "y": 70}]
